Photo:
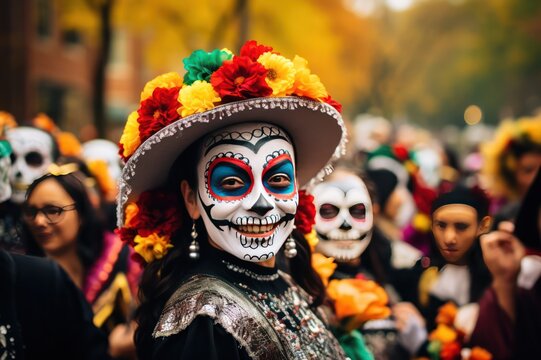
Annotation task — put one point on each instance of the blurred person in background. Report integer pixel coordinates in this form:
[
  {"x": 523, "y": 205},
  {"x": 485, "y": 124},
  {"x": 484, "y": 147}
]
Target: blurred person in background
[
  {"x": 344, "y": 224},
  {"x": 62, "y": 224},
  {"x": 511, "y": 160},
  {"x": 508, "y": 319},
  {"x": 42, "y": 313}
]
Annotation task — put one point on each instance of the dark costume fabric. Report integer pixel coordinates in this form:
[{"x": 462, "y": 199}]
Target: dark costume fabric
[
  {"x": 11, "y": 227},
  {"x": 230, "y": 309},
  {"x": 497, "y": 333},
  {"x": 42, "y": 313}
]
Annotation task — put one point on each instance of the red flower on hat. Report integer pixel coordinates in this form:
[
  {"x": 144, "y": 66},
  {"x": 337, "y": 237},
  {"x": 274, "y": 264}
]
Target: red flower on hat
[
  {"x": 305, "y": 218},
  {"x": 253, "y": 50},
  {"x": 158, "y": 111},
  {"x": 158, "y": 213},
  {"x": 335, "y": 104},
  {"x": 240, "y": 78}
]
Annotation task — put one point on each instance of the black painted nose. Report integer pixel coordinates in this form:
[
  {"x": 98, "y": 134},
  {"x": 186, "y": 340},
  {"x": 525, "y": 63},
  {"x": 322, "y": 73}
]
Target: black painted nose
[
  {"x": 345, "y": 226},
  {"x": 261, "y": 206}
]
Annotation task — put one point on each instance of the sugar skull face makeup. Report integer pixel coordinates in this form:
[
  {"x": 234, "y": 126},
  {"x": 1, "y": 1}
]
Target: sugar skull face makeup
[
  {"x": 32, "y": 155},
  {"x": 344, "y": 217},
  {"x": 247, "y": 192}
]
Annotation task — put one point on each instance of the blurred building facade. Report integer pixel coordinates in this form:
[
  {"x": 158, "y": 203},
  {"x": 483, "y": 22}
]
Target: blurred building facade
[{"x": 47, "y": 69}]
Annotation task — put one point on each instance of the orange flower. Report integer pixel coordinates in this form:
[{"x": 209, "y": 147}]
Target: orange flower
[
  {"x": 324, "y": 266},
  {"x": 131, "y": 210},
  {"x": 44, "y": 122},
  {"x": 7, "y": 121},
  {"x": 359, "y": 300},
  {"x": 99, "y": 169},
  {"x": 443, "y": 333},
  {"x": 68, "y": 144},
  {"x": 450, "y": 351},
  {"x": 446, "y": 314},
  {"x": 478, "y": 353}
]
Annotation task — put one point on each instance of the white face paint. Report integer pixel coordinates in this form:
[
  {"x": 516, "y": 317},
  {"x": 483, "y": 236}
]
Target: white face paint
[
  {"x": 247, "y": 191},
  {"x": 32, "y": 154},
  {"x": 107, "y": 151},
  {"x": 344, "y": 217},
  {"x": 5, "y": 188}
]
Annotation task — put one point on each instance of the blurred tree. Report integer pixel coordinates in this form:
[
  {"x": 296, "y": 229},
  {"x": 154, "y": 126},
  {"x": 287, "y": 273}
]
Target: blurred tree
[
  {"x": 339, "y": 44},
  {"x": 440, "y": 56}
]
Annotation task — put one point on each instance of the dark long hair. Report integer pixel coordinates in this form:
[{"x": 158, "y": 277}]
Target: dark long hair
[
  {"x": 90, "y": 233},
  {"x": 162, "y": 277}
]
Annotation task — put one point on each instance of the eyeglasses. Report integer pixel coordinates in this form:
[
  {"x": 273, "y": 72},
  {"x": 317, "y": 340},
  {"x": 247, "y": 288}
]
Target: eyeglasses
[{"x": 52, "y": 213}]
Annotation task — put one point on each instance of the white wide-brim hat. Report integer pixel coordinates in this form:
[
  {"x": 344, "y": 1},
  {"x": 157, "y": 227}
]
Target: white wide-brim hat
[{"x": 316, "y": 129}]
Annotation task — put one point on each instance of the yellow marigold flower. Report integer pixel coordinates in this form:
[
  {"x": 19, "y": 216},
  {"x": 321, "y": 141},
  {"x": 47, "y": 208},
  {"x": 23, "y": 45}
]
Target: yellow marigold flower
[
  {"x": 422, "y": 222},
  {"x": 324, "y": 266},
  {"x": 312, "y": 239},
  {"x": 168, "y": 80},
  {"x": 443, "y": 333},
  {"x": 152, "y": 247},
  {"x": 280, "y": 73},
  {"x": 306, "y": 83},
  {"x": 197, "y": 97},
  {"x": 130, "y": 137},
  {"x": 131, "y": 211}
]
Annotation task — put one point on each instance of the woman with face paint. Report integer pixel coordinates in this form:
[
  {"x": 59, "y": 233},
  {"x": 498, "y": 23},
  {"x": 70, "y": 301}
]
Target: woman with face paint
[{"x": 209, "y": 198}]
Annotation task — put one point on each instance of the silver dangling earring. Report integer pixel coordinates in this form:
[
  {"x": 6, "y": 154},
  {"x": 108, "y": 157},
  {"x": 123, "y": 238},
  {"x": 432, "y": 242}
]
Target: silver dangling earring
[
  {"x": 291, "y": 247},
  {"x": 194, "y": 245}
]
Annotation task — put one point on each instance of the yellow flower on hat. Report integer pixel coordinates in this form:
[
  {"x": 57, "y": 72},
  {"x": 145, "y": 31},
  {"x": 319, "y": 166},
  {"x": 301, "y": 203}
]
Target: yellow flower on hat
[
  {"x": 152, "y": 247},
  {"x": 306, "y": 83},
  {"x": 130, "y": 137},
  {"x": 198, "y": 97},
  {"x": 323, "y": 266},
  {"x": 280, "y": 73},
  {"x": 168, "y": 80}
]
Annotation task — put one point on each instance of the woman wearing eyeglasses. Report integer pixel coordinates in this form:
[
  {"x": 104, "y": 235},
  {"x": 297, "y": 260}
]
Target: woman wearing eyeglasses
[{"x": 62, "y": 224}]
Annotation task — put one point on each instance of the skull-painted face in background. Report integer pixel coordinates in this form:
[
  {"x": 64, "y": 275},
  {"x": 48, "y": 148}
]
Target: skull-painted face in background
[
  {"x": 344, "y": 216},
  {"x": 5, "y": 164},
  {"x": 101, "y": 149},
  {"x": 247, "y": 191},
  {"x": 32, "y": 155}
]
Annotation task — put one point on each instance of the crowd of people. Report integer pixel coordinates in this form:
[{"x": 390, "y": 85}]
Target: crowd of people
[{"x": 233, "y": 221}]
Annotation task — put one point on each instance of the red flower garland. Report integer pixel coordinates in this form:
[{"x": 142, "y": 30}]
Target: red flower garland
[
  {"x": 253, "y": 50},
  {"x": 158, "y": 111},
  {"x": 240, "y": 78},
  {"x": 305, "y": 218}
]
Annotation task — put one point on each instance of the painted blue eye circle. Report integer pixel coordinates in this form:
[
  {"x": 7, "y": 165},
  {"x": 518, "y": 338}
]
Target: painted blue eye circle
[
  {"x": 280, "y": 178},
  {"x": 228, "y": 180}
]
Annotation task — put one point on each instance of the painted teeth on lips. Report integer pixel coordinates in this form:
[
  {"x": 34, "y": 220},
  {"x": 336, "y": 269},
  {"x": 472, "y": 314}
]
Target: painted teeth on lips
[{"x": 256, "y": 229}]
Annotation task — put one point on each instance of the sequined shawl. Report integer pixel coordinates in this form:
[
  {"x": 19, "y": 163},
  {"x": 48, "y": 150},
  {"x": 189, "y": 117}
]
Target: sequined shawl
[{"x": 210, "y": 296}]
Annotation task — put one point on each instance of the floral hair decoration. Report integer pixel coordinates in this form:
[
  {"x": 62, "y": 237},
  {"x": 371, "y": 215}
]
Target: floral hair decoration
[{"x": 218, "y": 85}]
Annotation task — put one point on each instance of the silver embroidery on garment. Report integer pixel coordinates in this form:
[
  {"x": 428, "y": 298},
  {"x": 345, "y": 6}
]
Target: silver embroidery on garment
[
  {"x": 268, "y": 326},
  {"x": 206, "y": 295}
]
